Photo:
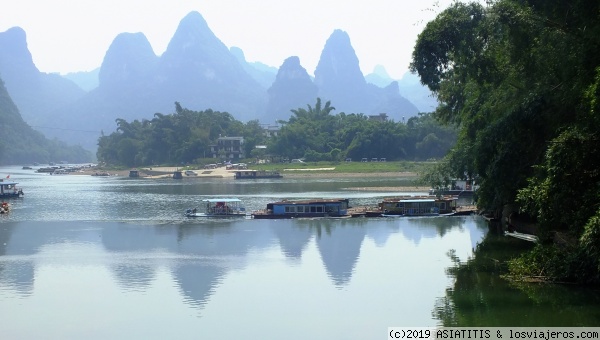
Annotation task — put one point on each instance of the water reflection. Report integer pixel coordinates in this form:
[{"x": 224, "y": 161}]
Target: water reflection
[
  {"x": 293, "y": 241},
  {"x": 479, "y": 297},
  {"x": 197, "y": 282},
  {"x": 199, "y": 255},
  {"x": 323, "y": 270},
  {"x": 135, "y": 277},
  {"x": 339, "y": 244}
]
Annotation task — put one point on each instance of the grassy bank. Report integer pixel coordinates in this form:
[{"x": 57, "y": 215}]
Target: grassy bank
[{"x": 349, "y": 167}]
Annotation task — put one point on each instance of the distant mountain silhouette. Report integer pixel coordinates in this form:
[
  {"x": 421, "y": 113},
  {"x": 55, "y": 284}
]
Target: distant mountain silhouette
[
  {"x": 409, "y": 86},
  {"x": 35, "y": 93},
  {"x": 128, "y": 65},
  {"x": 338, "y": 76},
  {"x": 124, "y": 91},
  {"x": 198, "y": 71},
  {"x": 293, "y": 88},
  {"x": 340, "y": 80},
  {"x": 86, "y": 80},
  {"x": 379, "y": 77},
  {"x": 263, "y": 74}
]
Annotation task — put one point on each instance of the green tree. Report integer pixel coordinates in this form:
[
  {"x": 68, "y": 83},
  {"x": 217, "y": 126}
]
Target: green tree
[
  {"x": 518, "y": 78},
  {"x": 181, "y": 137}
]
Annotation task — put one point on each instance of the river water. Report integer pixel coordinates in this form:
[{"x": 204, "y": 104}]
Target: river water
[{"x": 114, "y": 258}]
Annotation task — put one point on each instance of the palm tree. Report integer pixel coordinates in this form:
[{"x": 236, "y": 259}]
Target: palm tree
[{"x": 317, "y": 113}]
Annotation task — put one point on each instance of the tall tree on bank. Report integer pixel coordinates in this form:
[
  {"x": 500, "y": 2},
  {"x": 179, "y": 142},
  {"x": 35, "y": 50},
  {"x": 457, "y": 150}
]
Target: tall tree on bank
[{"x": 518, "y": 79}]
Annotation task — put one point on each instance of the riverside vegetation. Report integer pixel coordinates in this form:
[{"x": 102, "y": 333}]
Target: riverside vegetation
[
  {"x": 521, "y": 82},
  {"x": 314, "y": 134}
]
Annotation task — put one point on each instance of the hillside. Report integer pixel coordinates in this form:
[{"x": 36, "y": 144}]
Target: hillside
[{"x": 20, "y": 144}]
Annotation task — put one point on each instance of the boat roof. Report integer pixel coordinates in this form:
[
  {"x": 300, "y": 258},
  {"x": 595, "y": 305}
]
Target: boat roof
[
  {"x": 254, "y": 170},
  {"x": 7, "y": 183},
  {"x": 417, "y": 200},
  {"x": 226, "y": 200},
  {"x": 312, "y": 201}
]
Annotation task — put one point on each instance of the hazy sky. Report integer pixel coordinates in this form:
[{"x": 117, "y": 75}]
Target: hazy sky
[{"x": 73, "y": 35}]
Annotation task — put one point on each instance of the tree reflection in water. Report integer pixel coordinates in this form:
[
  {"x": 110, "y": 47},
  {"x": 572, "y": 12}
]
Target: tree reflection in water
[{"x": 481, "y": 297}]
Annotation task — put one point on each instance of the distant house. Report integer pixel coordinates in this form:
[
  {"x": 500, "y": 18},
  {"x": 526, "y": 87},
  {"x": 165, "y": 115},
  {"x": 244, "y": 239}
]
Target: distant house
[
  {"x": 228, "y": 148},
  {"x": 271, "y": 130},
  {"x": 382, "y": 117}
]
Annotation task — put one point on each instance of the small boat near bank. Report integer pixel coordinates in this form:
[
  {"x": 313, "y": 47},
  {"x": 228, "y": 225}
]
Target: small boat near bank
[
  {"x": 409, "y": 206},
  {"x": 219, "y": 207},
  {"x": 9, "y": 189},
  {"x": 418, "y": 205},
  {"x": 255, "y": 174},
  {"x": 59, "y": 172},
  {"x": 101, "y": 174},
  {"x": 47, "y": 170},
  {"x": 304, "y": 209}
]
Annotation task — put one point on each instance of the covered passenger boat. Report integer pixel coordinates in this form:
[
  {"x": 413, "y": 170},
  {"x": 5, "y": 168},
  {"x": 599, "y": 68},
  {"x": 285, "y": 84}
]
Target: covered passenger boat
[
  {"x": 418, "y": 205},
  {"x": 9, "y": 189},
  {"x": 304, "y": 208},
  {"x": 218, "y": 207}
]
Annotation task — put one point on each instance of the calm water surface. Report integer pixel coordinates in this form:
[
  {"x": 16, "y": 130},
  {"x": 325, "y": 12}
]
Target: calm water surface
[{"x": 114, "y": 258}]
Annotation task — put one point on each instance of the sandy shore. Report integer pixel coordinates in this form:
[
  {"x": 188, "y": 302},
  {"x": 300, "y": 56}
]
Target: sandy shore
[{"x": 167, "y": 172}]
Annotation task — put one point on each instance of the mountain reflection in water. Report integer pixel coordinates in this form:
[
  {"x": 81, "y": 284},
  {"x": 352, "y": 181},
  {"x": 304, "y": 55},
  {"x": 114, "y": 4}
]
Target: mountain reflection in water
[{"x": 98, "y": 258}]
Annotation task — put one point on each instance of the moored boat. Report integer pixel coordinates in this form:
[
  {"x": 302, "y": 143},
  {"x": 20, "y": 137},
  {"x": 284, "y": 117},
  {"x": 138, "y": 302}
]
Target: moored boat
[
  {"x": 253, "y": 174},
  {"x": 101, "y": 174},
  {"x": 9, "y": 189},
  {"x": 48, "y": 169},
  {"x": 418, "y": 205},
  {"x": 219, "y": 207},
  {"x": 59, "y": 172},
  {"x": 304, "y": 209},
  {"x": 4, "y": 208}
]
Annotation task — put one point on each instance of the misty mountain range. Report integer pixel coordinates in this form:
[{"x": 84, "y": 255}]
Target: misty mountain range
[{"x": 200, "y": 72}]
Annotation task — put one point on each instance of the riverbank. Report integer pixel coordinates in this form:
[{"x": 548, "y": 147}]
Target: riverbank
[{"x": 167, "y": 172}]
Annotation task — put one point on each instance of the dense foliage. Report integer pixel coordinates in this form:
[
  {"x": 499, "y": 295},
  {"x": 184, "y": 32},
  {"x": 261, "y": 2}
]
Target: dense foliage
[
  {"x": 179, "y": 138},
  {"x": 20, "y": 144},
  {"x": 520, "y": 81},
  {"x": 315, "y": 134}
]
